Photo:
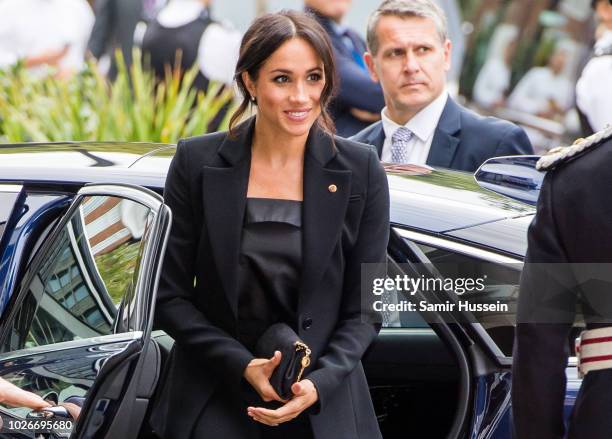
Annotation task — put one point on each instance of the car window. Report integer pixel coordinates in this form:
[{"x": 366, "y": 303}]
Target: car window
[
  {"x": 84, "y": 287},
  {"x": 502, "y": 286}
]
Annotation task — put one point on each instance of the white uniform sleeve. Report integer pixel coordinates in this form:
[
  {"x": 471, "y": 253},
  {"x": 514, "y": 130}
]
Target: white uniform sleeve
[
  {"x": 218, "y": 53},
  {"x": 594, "y": 92}
]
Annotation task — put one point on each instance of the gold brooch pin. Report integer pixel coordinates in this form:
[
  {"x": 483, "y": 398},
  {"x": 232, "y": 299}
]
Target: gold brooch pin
[{"x": 332, "y": 188}]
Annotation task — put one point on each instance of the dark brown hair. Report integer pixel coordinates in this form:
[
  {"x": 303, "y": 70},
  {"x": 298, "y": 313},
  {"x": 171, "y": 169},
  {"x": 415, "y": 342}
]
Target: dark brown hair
[{"x": 265, "y": 36}]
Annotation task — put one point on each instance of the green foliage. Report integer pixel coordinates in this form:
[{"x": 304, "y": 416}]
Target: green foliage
[
  {"x": 117, "y": 269},
  {"x": 86, "y": 107}
]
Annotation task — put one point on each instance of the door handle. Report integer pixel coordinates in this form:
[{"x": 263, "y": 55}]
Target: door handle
[{"x": 49, "y": 413}]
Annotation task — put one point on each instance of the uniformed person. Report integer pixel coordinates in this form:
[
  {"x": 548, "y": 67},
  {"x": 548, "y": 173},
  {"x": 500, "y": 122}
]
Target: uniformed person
[
  {"x": 594, "y": 88},
  {"x": 568, "y": 267}
]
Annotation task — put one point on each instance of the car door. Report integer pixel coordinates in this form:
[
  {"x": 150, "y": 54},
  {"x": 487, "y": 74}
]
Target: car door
[
  {"x": 78, "y": 326},
  {"x": 492, "y": 330}
]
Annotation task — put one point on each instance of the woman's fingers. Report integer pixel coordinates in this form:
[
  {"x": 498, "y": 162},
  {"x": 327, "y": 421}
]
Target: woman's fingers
[
  {"x": 305, "y": 395},
  {"x": 267, "y": 392},
  {"x": 17, "y": 397},
  {"x": 258, "y": 374},
  {"x": 263, "y": 421},
  {"x": 283, "y": 414},
  {"x": 273, "y": 362}
]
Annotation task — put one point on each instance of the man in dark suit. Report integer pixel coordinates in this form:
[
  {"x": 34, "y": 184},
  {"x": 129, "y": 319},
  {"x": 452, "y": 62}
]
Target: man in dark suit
[
  {"x": 114, "y": 29},
  {"x": 409, "y": 53},
  {"x": 567, "y": 272},
  {"x": 359, "y": 99}
]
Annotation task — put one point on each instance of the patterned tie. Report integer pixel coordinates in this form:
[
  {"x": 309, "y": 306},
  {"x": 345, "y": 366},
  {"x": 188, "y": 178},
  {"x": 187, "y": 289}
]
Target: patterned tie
[{"x": 399, "y": 145}]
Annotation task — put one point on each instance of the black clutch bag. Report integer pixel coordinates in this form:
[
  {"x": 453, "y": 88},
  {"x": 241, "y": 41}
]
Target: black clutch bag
[{"x": 294, "y": 360}]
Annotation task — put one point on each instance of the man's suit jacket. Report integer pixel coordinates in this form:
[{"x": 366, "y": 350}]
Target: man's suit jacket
[
  {"x": 567, "y": 263},
  {"x": 114, "y": 28},
  {"x": 463, "y": 140},
  {"x": 343, "y": 227},
  {"x": 356, "y": 88}
]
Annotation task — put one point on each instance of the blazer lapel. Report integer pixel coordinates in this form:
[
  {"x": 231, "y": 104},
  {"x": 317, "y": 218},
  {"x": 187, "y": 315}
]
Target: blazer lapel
[
  {"x": 224, "y": 190},
  {"x": 377, "y": 138},
  {"x": 446, "y": 137},
  {"x": 326, "y": 195}
]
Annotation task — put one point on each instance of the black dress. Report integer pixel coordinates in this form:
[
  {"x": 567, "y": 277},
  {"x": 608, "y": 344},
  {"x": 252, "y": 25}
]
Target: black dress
[
  {"x": 270, "y": 266},
  {"x": 268, "y": 283}
]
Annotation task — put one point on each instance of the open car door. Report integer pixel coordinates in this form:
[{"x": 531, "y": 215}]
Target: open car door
[{"x": 78, "y": 329}]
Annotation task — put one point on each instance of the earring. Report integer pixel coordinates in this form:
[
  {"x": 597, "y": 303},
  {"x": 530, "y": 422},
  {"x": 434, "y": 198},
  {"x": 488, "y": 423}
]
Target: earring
[{"x": 254, "y": 99}]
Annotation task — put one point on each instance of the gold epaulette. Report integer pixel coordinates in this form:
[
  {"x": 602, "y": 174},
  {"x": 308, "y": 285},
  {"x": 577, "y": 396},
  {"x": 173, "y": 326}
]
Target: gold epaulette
[{"x": 562, "y": 154}]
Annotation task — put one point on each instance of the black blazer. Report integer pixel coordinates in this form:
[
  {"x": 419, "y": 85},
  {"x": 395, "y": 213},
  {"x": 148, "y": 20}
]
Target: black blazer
[
  {"x": 463, "y": 140},
  {"x": 206, "y": 189},
  {"x": 567, "y": 263}
]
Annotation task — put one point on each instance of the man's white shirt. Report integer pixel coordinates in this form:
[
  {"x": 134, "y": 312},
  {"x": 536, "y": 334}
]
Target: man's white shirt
[
  {"x": 422, "y": 125},
  {"x": 219, "y": 46}
]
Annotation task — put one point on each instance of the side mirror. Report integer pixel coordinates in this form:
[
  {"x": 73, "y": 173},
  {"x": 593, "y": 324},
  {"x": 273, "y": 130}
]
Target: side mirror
[{"x": 513, "y": 176}]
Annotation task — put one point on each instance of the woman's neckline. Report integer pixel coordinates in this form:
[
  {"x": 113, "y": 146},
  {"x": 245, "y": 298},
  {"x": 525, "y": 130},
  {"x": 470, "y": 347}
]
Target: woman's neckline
[{"x": 274, "y": 199}]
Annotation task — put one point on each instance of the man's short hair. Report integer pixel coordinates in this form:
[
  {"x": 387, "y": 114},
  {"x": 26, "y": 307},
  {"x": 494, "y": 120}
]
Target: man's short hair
[{"x": 405, "y": 9}]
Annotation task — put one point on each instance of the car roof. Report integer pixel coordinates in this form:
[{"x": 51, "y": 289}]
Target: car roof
[
  {"x": 437, "y": 201},
  {"x": 81, "y": 163}
]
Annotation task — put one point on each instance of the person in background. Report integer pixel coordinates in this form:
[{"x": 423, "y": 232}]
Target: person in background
[
  {"x": 594, "y": 88},
  {"x": 359, "y": 99},
  {"x": 186, "y": 26},
  {"x": 113, "y": 29},
  {"x": 544, "y": 91},
  {"x": 409, "y": 53},
  {"x": 493, "y": 80},
  {"x": 185, "y": 34},
  {"x": 45, "y": 33}
]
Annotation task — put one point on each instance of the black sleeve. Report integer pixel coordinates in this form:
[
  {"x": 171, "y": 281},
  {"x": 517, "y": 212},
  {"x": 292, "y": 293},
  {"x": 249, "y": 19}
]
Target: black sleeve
[
  {"x": 354, "y": 331},
  {"x": 357, "y": 89},
  {"x": 175, "y": 311},
  {"x": 545, "y": 315},
  {"x": 98, "y": 40}
]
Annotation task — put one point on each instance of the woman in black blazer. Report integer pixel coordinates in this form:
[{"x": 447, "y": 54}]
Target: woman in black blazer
[{"x": 271, "y": 222}]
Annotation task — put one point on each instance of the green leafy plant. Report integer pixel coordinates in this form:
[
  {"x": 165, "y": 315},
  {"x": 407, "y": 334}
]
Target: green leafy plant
[{"x": 86, "y": 107}]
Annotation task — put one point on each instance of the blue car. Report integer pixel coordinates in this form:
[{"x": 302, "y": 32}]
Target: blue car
[{"x": 83, "y": 229}]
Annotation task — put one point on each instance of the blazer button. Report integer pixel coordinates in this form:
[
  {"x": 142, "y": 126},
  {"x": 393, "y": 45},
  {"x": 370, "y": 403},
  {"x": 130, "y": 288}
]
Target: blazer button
[{"x": 307, "y": 323}]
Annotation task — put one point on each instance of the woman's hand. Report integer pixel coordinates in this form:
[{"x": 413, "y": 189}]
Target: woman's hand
[
  {"x": 73, "y": 409},
  {"x": 305, "y": 395},
  {"x": 258, "y": 373},
  {"x": 16, "y": 397}
]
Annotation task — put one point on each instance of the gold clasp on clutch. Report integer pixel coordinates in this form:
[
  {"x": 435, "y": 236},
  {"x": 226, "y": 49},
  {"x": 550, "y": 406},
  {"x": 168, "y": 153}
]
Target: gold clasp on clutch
[{"x": 299, "y": 346}]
